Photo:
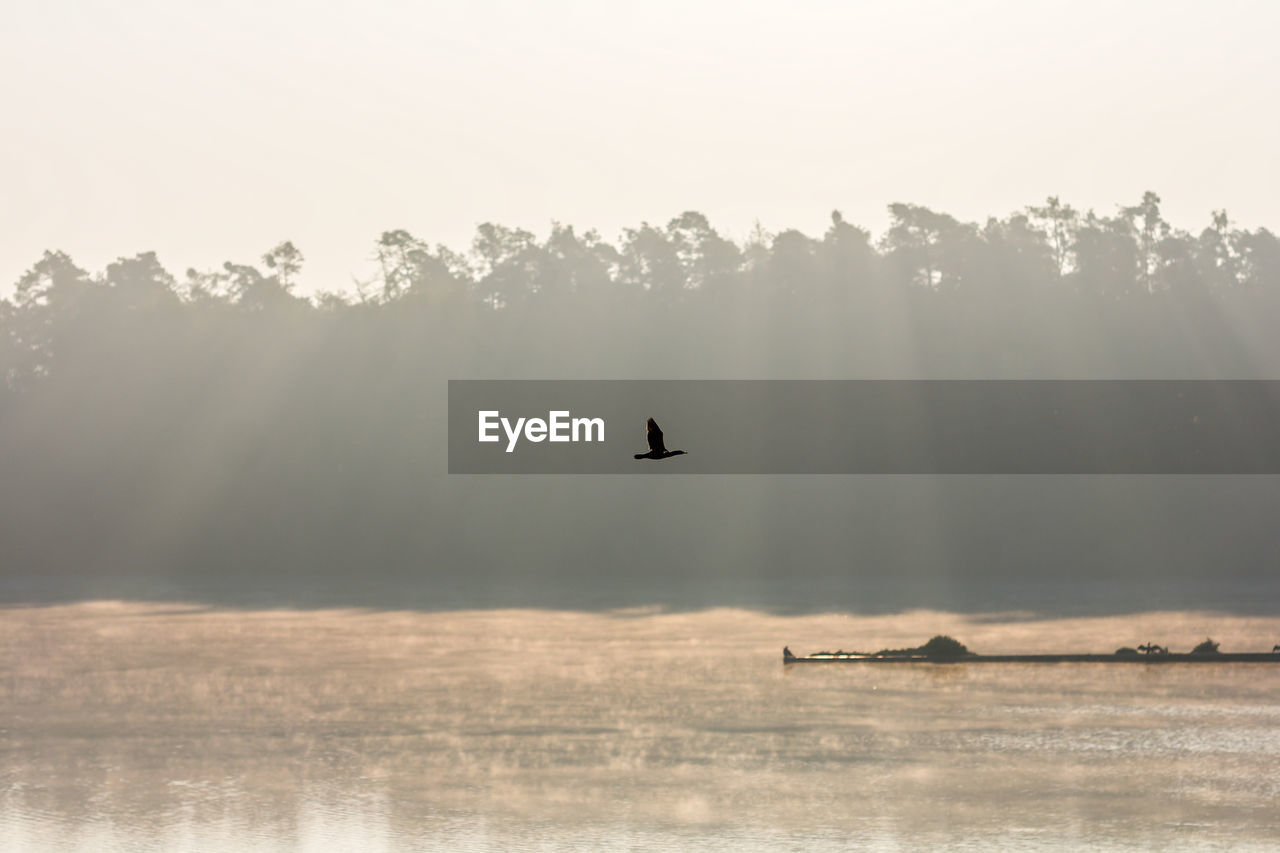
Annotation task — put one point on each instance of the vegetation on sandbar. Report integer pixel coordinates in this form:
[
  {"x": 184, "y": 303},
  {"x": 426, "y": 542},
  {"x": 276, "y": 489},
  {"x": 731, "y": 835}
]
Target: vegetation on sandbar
[{"x": 940, "y": 646}]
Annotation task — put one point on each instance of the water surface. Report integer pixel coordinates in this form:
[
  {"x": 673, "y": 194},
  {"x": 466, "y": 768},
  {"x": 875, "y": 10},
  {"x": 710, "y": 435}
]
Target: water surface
[{"x": 149, "y": 727}]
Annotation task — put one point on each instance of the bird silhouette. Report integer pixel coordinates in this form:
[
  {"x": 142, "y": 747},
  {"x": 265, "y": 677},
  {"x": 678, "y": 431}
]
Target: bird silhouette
[{"x": 657, "y": 450}]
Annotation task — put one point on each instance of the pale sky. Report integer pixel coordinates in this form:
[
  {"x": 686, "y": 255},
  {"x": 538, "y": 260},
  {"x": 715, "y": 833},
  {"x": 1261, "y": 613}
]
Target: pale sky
[{"x": 212, "y": 131}]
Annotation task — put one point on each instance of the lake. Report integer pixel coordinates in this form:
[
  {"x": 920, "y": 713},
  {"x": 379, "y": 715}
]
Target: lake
[{"x": 133, "y": 727}]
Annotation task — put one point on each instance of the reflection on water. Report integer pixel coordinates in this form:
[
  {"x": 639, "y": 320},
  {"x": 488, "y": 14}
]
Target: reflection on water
[{"x": 138, "y": 727}]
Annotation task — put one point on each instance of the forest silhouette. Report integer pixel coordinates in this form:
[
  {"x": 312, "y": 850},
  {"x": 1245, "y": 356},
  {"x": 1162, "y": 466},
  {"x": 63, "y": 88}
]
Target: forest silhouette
[{"x": 217, "y": 436}]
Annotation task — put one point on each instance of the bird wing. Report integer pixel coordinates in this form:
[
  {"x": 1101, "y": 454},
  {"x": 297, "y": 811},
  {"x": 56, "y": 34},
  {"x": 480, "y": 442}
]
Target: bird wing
[{"x": 653, "y": 433}]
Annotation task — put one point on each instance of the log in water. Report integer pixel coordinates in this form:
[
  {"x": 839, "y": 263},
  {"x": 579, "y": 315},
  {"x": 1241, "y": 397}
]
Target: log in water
[{"x": 1220, "y": 657}]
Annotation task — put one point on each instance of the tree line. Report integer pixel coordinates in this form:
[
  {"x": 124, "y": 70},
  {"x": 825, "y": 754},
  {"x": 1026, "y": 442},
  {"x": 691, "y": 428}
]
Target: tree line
[
  {"x": 932, "y": 293},
  {"x": 217, "y": 425}
]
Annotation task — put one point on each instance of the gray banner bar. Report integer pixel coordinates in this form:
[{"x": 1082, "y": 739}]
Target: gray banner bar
[{"x": 866, "y": 427}]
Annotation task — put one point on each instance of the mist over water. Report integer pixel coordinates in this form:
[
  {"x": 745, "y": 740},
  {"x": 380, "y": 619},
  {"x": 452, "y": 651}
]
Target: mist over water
[
  {"x": 135, "y": 727},
  {"x": 594, "y": 663}
]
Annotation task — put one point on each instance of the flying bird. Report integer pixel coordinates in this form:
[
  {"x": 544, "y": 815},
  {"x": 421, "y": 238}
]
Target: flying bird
[{"x": 657, "y": 450}]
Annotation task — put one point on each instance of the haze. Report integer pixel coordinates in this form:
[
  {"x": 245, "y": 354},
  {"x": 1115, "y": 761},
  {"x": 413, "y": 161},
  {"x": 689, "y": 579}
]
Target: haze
[
  {"x": 207, "y": 134},
  {"x": 246, "y": 247}
]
